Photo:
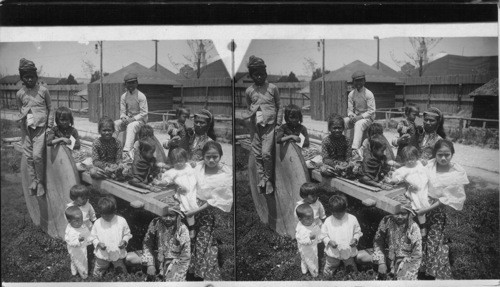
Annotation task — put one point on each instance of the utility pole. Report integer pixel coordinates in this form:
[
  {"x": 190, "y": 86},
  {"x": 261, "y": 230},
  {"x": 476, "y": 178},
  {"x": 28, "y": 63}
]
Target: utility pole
[
  {"x": 156, "y": 55},
  {"x": 100, "y": 103},
  {"x": 378, "y": 51},
  {"x": 323, "y": 111}
]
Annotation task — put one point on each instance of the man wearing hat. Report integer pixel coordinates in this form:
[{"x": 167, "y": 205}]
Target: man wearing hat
[
  {"x": 360, "y": 110},
  {"x": 133, "y": 113},
  {"x": 265, "y": 112},
  {"x": 36, "y": 116}
]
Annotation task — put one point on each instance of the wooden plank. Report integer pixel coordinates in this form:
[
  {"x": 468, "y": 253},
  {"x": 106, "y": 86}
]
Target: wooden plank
[
  {"x": 381, "y": 198},
  {"x": 151, "y": 201}
]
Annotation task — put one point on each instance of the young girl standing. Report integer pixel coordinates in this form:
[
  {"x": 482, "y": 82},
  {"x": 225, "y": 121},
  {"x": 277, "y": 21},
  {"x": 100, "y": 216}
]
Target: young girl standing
[
  {"x": 309, "y": 194},
  {"x": 293, "y": 128},
  {"x": 446, "y": 188},
  {"x": 342, "y": 232},
  {"x": 110, "y": 236},
  {"x": 409, "y": 130},
  {"x": 415, "y": 175}
]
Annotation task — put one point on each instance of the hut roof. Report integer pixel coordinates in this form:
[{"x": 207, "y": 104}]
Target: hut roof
[
  {"x": 145, "y": 76},
  {"x": 488, "y": 89},
  {"x": 372, "y": 74},
  {"x": 216, "y": 69},
  {"x": 458, "y": 65},
  {"x": 167, "y": 73},
  {"x": 387, "y": 70},
  {"x": 10, "y": 80}
]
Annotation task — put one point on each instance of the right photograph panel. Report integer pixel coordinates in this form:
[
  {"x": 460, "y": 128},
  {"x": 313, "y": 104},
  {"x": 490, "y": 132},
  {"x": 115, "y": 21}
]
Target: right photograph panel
[{"x": 367, "y": 159}]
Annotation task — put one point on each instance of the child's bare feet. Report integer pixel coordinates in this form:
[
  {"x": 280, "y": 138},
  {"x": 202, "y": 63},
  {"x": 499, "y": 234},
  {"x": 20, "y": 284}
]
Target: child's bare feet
[
  {"x": 40, "y": 189},
  {"x": 33, "y": 187},
  {"x": 262, "y": 186},
  {"x": 269, "y": 187}
]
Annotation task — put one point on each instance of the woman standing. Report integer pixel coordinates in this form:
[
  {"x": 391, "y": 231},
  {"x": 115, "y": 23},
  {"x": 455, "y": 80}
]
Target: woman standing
[
  {"x": 433, "y": 131},
  {"x": 215, "y": 195},
  {"x": 446, "y": 188}
]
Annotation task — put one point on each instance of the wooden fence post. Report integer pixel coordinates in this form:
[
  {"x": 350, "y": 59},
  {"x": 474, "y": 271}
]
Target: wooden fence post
[
  {"x": 290, "y": 95},
  {"x": 206, "y": 98},
  {"x": 182, "y": 98},
  {"x": 404, "y": 94},
  {"x": 459, "y": 98},
  {"x": 58, "y": 98},
  {"x": 69, "y": 99}
]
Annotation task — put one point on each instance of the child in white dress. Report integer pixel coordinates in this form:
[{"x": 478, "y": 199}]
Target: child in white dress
[
  {"x": 308, "y": 235},
  {"x": 309, "y": 194},
  {"x": 77, "y": 238},
  {"x": 80, "y": 195},
  {"x": 110, "y": 236},
  {"x": 415, "y": 175},
  {"x": 342, "y": 233},
  {"x": 184, "y": 176}
]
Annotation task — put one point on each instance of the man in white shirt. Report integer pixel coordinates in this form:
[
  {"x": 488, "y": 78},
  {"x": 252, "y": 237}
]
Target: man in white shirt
[
  {"x": 360, "y": 109},
  {"x": 133, "y": 112}
]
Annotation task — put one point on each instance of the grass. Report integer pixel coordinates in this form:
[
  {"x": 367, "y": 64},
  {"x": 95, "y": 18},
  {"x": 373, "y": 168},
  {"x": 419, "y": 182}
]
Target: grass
[
  {"x": 30, "y": 255},
  {"x": 262, "y": 254}
]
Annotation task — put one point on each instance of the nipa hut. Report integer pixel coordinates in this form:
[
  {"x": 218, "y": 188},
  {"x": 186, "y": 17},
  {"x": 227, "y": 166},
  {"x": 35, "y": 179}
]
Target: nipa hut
[{"x": 485, "y": 105}]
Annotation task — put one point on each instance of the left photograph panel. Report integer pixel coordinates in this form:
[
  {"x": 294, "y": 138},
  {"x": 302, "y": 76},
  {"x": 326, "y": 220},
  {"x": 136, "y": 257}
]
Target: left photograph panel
[{"x": 116, "y": 162}]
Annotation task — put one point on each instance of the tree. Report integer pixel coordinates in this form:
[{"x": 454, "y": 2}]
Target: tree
[
  {"x": 292, "y": 77},
  {"x": 317, "y": 74},
  {"x": 420, "y": 54},
  {"x": 69, "y": 81},
  {"x": 197, "y": 58}
]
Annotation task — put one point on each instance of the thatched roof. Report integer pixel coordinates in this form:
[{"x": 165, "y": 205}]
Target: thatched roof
[{"x": 488, "y": 89}]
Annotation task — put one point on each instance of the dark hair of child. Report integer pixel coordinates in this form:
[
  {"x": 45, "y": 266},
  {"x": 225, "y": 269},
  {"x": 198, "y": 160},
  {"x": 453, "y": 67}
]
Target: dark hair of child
[
  {"x": 146, "y": 145},
  {"x": 71, "y": 212},
  {"x": 181, "y": 111},
  {"x": 376, "y": 142},
  {"x": 78, "y": 190},
  {"x": 308, "y": 188},
  {"x": 107, "y": 205},
  {"x": 440, "y": 143},
  {"x": 335, "y": 119},
  {"x": 178, "y": 154},
  {"x": 293, "y": 110},
  {"x": 145, "y": 131},
  {"x": 105, "y": 121},
  {"x": 375, "y": 129},
  {"x": 212, "y": 145},
  {"x": 411, "y": 107},
  {"x": 64, "y": 112},
  {"x": 409, "y": 152},
  {"x": 338, "y": 203},
  {"x": 303, "y": 209}
]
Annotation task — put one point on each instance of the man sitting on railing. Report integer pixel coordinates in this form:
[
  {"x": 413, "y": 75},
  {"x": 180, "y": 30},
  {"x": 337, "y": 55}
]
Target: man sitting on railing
[{"x": 133, "y": 113}]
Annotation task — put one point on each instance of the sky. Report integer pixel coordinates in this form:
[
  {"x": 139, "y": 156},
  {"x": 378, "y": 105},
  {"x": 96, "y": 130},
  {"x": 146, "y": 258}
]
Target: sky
[
  {"x": 59, "y": 59},
  {"x": 285, "y": 56}
]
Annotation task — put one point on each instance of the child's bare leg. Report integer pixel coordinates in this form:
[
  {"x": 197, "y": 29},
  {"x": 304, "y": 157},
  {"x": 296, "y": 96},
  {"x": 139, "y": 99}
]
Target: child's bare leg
[
  {"x": 267, "y": 156},
  {"x": 190, "y": 222},
  {"x": 422, "y": 225},
  {"x": 364, "y": 257},
  {"x": 38, "y": 156},
  {"x": 257, "y": 152},
  {"x": 331, "y": 266},
  {"x": 350, "y": 265},
  {"x": 303, "y": 266},
  {"x": 28, "y": 153}
]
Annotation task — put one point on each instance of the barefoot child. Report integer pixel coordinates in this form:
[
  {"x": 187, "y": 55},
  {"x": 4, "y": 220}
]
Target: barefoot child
[
  {"x": 375, "y": 167},
  {"x": 263, "y": 101},
  {"x": 178, "y": 131},
  {"x": 335, "y": 148},
  {"x": 183, "y": 175},
  {"x": 106, "y": 152},
  {"x": 447, "y": 180},
  {"x": 36, "y": 115},
  {"x": 342, "y": 232},
  {"x": 309, "y": 194},
  {"x": 415, "y": 175},
  {"x": 293, "y": 127},
  {"x": 77, "y": 238},
  {"x": 408, "y": 130},
  {"x": 144, "y": 168},
  {"x": 308, "y": 235},
  {"x": 80, "y": 195},
  {"x": 110, "y": 236}
]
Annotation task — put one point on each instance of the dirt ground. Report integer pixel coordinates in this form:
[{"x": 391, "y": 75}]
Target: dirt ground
[
  {"x": 264, "y": 255},
  {"x": 30, "y": 255}
]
